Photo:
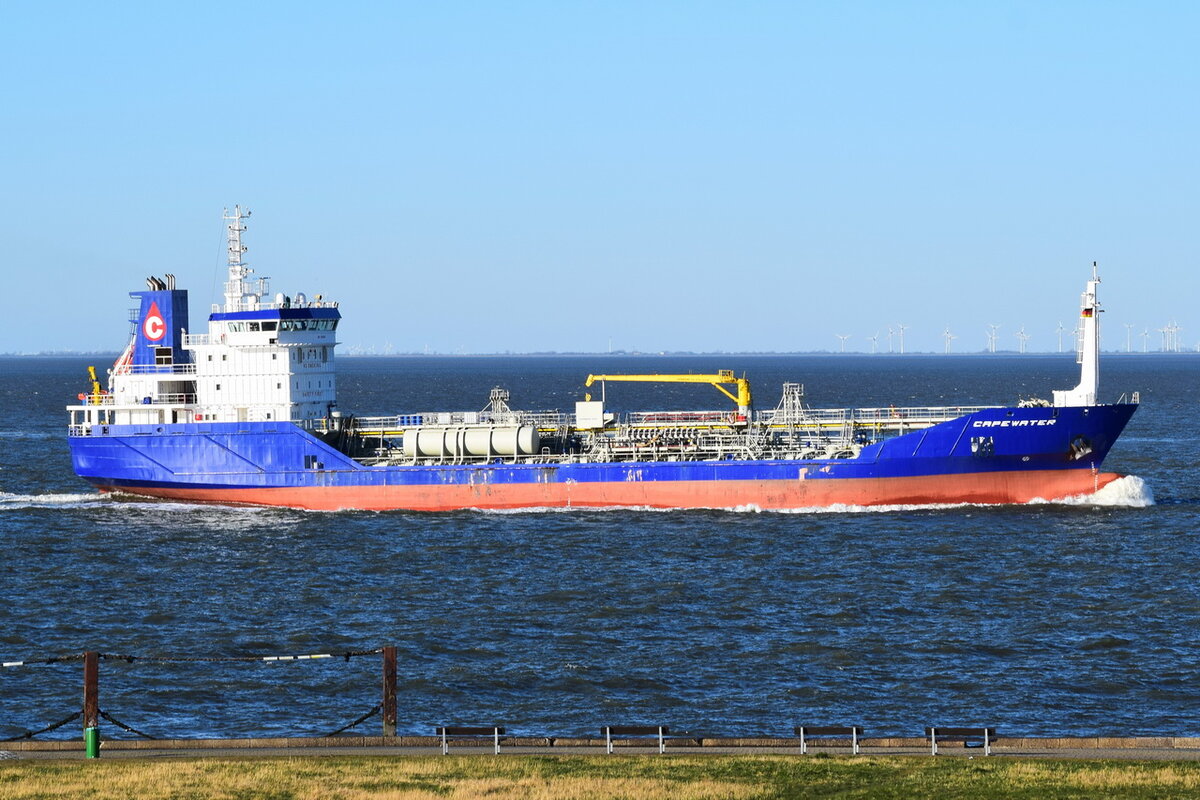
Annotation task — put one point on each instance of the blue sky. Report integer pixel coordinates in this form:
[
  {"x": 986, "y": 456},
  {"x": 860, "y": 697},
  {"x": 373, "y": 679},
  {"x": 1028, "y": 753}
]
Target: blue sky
[{"x": 489, "y": 177}]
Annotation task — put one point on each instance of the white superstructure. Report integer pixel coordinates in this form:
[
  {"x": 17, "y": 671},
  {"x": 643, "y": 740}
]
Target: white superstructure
[{"x": 263, "y": 358}]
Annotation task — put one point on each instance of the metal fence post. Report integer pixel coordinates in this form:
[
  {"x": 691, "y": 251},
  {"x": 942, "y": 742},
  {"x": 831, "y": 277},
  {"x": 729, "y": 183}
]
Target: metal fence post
[
  {"x": 91, "y": 704},
  {"x": 389, "y": 690},
  {"x": 91, "y": 689}
]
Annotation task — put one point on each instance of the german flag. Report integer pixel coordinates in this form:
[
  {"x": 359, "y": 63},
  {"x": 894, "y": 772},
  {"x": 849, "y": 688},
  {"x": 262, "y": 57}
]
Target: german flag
[{"x": 1087, "y": 312}]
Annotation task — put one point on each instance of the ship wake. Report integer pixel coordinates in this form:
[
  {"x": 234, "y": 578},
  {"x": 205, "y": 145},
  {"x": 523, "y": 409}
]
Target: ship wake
[{"x": 16, "y": 502}]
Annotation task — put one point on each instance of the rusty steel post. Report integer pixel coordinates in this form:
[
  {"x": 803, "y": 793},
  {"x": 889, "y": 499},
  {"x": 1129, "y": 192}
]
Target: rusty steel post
[
  {"x": 389, "y": 690},
  {"x": 91, "y": 689}
]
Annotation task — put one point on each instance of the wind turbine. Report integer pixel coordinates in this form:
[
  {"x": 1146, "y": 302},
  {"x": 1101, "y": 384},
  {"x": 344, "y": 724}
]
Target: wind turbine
[
  {"x": 890, "y": 332},
  {"x": 874, "y": 342},
  {"x": 992, "y": 328},
  {"x": 902, "y": 328},
  {"x": 1061, "y": 328},
  {"x": 843, "y": 337},
  {"x": 949, "y": 337},
  {"x": 1128, "y": 337},
  {"x": 1145, "y": 336},
  {"x": 1023, "y": 337}
]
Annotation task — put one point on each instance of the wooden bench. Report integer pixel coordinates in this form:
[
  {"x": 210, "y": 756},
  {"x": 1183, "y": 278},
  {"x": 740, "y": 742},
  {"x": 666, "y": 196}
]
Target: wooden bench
[
  {"x": 970, "y": 737},
  {"x": 806, "y": 732},
  {"x": 609, "y": 731},
  {"x": 473, "y": 732}
]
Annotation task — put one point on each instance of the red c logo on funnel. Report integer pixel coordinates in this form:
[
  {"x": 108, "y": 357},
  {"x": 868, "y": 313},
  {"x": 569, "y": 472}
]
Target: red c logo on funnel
[{"x": 153, "y": 326}]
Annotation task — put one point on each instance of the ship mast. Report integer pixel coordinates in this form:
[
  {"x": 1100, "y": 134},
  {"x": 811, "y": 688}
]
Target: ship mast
[
  {"x": 1089, "y": 350},
  {"x": 235, "y": 287}
]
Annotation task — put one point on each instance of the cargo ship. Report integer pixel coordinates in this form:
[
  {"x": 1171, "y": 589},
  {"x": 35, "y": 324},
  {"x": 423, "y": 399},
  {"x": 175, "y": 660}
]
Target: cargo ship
[{"x": 247, "y": 413}]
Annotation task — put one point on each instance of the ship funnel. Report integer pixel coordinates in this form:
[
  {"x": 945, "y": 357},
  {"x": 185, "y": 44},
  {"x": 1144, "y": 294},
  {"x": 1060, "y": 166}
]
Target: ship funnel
[{"x": 1088, "y": 348}]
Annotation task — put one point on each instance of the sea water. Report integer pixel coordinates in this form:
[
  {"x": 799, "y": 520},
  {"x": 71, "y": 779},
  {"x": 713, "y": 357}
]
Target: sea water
[{"x": 1072, "y": 617}]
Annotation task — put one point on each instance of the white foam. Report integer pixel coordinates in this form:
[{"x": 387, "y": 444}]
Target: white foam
[
  {"x": 113, "y": 501},
  {"x": 842, "y": 508},
  {"x": 1128, "y": 491},
  {"x": 13, "y": 502}
]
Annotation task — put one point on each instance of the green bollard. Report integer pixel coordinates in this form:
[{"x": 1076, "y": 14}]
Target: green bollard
[{"x": 91, "y": 742}]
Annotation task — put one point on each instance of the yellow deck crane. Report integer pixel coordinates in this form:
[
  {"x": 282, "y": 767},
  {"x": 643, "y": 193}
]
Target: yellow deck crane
[
  {"x": 725, "y": 376},
  {"x": 96, "y": 388}
]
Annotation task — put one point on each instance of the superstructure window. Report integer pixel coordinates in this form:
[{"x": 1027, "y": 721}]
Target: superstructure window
[
  {"x": 308, "y": 325},
  {"x": 162, "y": 356}
]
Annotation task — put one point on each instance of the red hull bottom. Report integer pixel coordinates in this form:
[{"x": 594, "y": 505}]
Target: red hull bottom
[{"x": 988, "y": 487}]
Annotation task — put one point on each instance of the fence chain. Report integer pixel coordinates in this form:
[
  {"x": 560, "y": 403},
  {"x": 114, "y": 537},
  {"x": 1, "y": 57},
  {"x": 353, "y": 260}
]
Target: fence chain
[
  {"x": 47, "y": 729},
  {"x": 123, "y": 726},
  {"x": 349, "y": 654},
  {"x": 378, "y": 707},
  {"x": 49, "y": 660}
]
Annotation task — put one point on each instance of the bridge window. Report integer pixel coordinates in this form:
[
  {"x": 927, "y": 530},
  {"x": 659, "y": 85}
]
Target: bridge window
[{"x": 162, "y": 356}]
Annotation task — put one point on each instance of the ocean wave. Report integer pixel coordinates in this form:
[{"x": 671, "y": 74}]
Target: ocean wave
[{"x": 23, "y": 434}]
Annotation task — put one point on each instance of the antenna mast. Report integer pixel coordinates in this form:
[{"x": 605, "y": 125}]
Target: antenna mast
[{"x": 236, "y": 288}]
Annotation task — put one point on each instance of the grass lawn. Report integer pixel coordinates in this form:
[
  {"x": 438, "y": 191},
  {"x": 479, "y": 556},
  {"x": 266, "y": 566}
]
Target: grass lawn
[{"x": 633, "y": 777}]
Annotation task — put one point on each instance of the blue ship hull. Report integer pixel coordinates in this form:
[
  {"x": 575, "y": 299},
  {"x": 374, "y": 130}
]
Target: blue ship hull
[{"x": 1000, "y": 455}]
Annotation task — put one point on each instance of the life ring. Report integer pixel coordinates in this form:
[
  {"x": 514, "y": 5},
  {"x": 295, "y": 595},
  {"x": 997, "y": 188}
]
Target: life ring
[{"x": 199, "y": 417}]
